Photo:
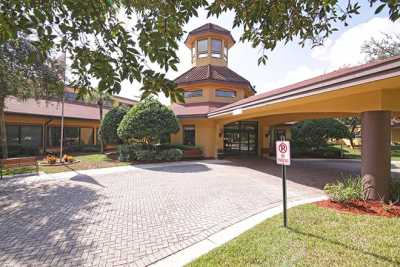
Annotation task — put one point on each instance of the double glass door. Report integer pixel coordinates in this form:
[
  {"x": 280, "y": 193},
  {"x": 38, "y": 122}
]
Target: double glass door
[{"x": 241, "y": 138}]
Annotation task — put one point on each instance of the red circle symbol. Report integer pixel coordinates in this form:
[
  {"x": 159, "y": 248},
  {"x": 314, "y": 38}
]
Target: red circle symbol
[{"x": 282, "y": 148}]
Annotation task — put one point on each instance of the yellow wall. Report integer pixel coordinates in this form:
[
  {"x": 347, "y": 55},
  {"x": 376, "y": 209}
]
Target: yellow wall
[
  {"x": 209, "y": 92},
  {"x": 205, "y": 135}
]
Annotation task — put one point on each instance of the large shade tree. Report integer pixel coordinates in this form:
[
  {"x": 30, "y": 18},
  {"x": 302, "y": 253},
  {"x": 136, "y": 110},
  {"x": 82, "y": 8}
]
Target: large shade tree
[
  {"x": 388, "y": 46},
  {"x": 315, "y": 134},
  {"x": 100, "y": 98},
  {"x": 110, "y": 124},
  {"x": 147, "y": 122},
  {"x": 24, "y": 74},
  {"x": 114, "y": 40}
]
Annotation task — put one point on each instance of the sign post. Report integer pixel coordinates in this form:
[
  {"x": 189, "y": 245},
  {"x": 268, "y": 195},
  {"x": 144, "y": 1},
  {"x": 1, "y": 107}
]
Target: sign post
[{"x": 283, "y": 158}]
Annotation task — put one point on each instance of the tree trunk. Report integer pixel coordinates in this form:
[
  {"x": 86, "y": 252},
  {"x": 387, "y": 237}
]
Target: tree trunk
[
  {"x": 3, "y": 130},
  {"x": 100, "y": 103}
]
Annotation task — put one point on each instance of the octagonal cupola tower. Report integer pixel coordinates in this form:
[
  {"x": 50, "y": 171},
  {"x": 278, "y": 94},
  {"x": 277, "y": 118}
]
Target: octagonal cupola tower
[
  {"x": 210, "y": 84},
  {"x": 209, "y": 44}
]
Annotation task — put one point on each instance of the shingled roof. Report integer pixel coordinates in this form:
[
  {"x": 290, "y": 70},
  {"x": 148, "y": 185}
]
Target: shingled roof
[
  {"x": 52, "y": 108},
  {"x": 212, "y": 28},
  {"x": 211, "y": 73},
  {"x": 317, "y": 82}
]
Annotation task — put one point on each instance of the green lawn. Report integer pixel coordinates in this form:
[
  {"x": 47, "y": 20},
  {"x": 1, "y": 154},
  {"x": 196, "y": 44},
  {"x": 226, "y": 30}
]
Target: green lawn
[
  {"x": 356, "y": 153},
  {"x": 91, "y": 161},
  {"x": 315, "y": 237}
]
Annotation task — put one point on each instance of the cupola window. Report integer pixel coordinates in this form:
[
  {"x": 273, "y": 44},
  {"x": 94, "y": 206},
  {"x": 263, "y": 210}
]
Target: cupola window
[
  {"x": 225, "y": 93},
  {"x": 202, "y": 48},
  {"x": 216, "y": 48},
  {"x": 194, "y": 93}
]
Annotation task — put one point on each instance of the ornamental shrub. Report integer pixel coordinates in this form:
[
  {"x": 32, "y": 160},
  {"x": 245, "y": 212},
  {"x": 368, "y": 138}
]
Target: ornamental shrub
[
  {"x": 147, "y": 122},
  {"x": 345, "y": 191},
  {"x": 174, "y": 154},
  {"x": 110, "y": 123},
  {"x": 311, "y": 135}
]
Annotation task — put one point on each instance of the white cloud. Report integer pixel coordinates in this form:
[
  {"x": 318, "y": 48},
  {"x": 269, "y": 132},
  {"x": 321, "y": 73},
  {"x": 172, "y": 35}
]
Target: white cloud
[
  {"x": 298, "y": 74},
  {"x": 346, "y": 49}
]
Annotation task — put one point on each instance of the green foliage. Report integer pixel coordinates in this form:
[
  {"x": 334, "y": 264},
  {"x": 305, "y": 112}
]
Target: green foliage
[
  {"x": 145, "y": 155},
  {"x": 388, "y": 46},
  {"x": 178, "y": 146},
  {"x": 114, "y": 41},
  {"x": 314, "y": 134},
  {"x": 110, "y": 41},
  {"x": 327, "y": 152},
  {"x": 110, "y": 123},
  {"x": 82, "y": 148},
  {"x": 147, "y": 121},
  {"x": 15, "y": 151},
  {"x": 142, "y": 152},
  {"x": 345, "y": 191},
  {"x": 395, "y": 190},
  {"x": 266, "y": 23}
]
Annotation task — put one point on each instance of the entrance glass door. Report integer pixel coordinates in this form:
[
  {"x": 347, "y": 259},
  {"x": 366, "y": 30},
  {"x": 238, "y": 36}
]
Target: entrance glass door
[{"x": 241, "y": 138}]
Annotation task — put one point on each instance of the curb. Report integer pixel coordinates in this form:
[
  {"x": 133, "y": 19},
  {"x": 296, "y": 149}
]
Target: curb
[{"x": 194, "y": 251}]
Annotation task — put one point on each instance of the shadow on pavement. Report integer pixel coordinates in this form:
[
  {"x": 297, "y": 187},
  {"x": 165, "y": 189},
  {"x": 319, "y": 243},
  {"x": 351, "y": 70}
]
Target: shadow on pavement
[
  {"x": 190, "y": 168},
  {"x": 43, "y": 222},
  {"x": 313, "y": 173}
]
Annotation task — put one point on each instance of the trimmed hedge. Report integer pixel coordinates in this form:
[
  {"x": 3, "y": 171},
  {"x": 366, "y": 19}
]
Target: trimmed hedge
[
  {"x": 82, "y": 148},
  {"x": 110, "y": 124},
  {"x": 15, "y": 151},
  {"x": 142, "y": 152}
]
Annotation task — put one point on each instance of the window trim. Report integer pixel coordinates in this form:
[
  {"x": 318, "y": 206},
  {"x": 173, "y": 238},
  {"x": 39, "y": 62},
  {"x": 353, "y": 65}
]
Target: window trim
[
  {"x": 226, "y": 91},
  {"x": 202, "y": 54},
  {"x": 193, "y": 128},
  {"x": 19, "y": 127},
  {"x": 193, "y": 91},
  {"x": 216, "y": 53}
]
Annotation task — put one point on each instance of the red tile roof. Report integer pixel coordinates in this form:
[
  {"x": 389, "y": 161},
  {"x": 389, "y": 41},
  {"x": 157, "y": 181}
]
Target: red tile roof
[
  {"x": 52, "y": 109},
  {"x": 211, "y": 73},
  {"x": 313, "y": 81},
  {"x": 195, "y": 109}
]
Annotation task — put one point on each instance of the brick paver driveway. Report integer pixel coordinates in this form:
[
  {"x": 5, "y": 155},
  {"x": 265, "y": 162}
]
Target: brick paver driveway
[{"x": 134, "y": 216}]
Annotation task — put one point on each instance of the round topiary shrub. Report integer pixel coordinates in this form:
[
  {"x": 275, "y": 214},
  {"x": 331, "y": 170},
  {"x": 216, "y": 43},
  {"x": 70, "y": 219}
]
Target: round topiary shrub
[
  {"x": 147, "y": 121},
  {"x": 110, "y": 123}
]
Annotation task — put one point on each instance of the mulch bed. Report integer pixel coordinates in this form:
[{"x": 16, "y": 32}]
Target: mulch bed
[{"x": 376, "y": 208}]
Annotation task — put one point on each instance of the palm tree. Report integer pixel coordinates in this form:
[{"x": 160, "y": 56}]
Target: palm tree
[{"x": 99, "y": 97}]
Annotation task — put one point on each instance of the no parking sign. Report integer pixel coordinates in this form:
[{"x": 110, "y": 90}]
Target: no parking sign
[
  {"x": 283, "y": 153},
  {"x": 283, "y": 158}
]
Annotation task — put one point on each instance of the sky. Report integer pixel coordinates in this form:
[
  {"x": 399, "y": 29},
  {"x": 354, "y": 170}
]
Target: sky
[{"x": 288, "y": 63}]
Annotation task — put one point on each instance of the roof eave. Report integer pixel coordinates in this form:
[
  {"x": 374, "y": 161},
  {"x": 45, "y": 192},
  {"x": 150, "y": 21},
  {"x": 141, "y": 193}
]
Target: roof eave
[{"x": 318, "y": 87}]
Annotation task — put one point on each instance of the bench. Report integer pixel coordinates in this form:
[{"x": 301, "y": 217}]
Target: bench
[{"x": 17, "y": 163}]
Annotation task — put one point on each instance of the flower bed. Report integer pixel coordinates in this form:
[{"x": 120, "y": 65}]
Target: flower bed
[{"x": 376, "y": 208}]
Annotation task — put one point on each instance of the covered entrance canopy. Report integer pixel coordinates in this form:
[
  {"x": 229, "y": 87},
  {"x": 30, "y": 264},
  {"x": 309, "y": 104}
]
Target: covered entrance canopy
[
  {"x": 241, "y": 138},
  {"x": 371, "y": 91}
]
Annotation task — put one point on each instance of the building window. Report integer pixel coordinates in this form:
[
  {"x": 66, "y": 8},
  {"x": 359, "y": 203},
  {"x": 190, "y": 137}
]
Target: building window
[
  {"x": 72, "y": 136},
  {"x": 225, "y": 93},
  {"x": 195, "y": 93},
  {"x": 189, "y": 135},
  {"x": 31, "y": 135},
  {"x": 202, "y": 48},
  {"x": 87, "y": 136},
  {"x": 12, "y": 135},
  {"x": 193, "y": 53},
  {"x": 216, "y": 48},
  {"x": 26, "y": 135}
]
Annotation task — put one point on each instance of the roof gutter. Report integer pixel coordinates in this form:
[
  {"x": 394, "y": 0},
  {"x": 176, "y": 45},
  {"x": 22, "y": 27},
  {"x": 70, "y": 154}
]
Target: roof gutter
[{"x": 383, "y": 71}]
